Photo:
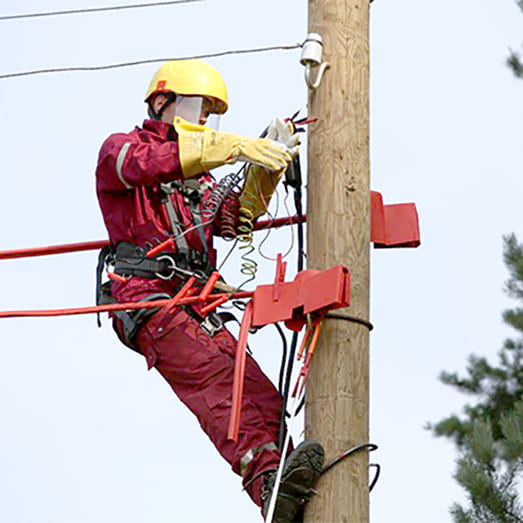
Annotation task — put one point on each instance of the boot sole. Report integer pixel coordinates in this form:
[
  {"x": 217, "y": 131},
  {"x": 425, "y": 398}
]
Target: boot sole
[
  {"x": 303, "y": 468},
  {"x": 305, "y": 464}
]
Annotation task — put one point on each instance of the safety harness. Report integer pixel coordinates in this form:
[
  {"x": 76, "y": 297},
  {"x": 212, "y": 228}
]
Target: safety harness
[{"x": 128, "y": 260}]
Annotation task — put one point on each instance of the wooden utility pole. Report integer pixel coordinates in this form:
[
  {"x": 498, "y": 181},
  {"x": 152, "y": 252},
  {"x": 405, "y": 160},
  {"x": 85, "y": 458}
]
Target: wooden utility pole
[{"x": 338, "y": 223}]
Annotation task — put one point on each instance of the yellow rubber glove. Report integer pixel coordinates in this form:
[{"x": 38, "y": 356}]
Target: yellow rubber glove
[
  {"x": 260, "y": 184},
  {"x": 259, "y": 187},
  {"x": 202, "y": 149}
]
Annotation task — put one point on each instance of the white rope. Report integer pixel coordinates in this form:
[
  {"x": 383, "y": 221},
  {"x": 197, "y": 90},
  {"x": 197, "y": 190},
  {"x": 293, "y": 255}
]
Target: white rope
[{"x": 277, "y": 481}]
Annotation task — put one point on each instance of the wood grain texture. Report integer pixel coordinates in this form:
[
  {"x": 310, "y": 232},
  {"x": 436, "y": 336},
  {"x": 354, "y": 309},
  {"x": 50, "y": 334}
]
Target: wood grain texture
[{"x": 338, "y": 222}]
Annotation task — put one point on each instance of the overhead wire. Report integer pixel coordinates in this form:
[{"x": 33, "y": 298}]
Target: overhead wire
[
  {"x": 252, "y": 50},
  {"x": 94, "y": 9}
]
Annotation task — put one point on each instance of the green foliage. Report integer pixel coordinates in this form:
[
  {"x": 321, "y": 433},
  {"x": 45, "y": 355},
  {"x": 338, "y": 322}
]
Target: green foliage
[
  {"x": 513, "y": 60},
  {"x": 514, "y": 63},
  {"x": 489, "y": 433},
  {"x": 488, "y": 471},
  {"x": 513, "y": 256}
]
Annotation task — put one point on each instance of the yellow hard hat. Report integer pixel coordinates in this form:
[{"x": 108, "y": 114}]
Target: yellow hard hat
[{"x": 190, "y": 77}]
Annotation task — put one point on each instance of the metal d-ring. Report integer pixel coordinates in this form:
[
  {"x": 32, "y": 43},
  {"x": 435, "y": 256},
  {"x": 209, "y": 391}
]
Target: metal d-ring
[{"x": 171, "y": 266}]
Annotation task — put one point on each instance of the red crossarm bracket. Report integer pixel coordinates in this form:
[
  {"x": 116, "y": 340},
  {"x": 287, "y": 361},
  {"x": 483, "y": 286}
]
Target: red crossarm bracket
[
  {"x": 393, "y": 225},
  {"x": 311, "y": 292}
]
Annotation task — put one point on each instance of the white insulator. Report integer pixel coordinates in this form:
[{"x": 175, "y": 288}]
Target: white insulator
[{"x": 312, "y": 50}]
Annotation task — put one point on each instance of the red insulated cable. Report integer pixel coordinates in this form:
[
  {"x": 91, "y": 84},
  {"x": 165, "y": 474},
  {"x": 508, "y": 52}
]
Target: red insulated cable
[
  {"x": 186, "y": 290},
  {"x": 304, "y": 372},
  {"x": 213, "y": 305},
  {"x": 209, "y": 286},
  {"x": 313, "y": 343},
  {"x": 306, "y": 337},
  {"x": 117, "y": 277},
  {"x": 100, "y": 244},
  {"x": 277, "y": 222},
  {"x": 188, "y": 300},
  {"x": 167, "y": 244},
  {"x": 53, "y": 249},
  {"x": 305, "y": 121}
]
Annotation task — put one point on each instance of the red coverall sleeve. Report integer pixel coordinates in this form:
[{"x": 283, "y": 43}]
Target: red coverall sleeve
[{"x": 137, "y": 163}]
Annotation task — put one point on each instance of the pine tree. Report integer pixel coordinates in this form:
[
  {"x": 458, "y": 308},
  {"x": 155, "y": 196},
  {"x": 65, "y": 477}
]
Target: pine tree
[
  {"x": 489, "y": 435},
  {"x": 514, "y": 60}
]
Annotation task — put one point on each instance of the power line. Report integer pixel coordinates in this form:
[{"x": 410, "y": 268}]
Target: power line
[
  {"x": 95, "y": 9},
  {"x": 148, "y": 61}
]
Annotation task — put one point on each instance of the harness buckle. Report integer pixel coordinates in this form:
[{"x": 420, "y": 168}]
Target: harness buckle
[
  {"x": 211, "y": 324},
  {"x": 170, "y": 268}
]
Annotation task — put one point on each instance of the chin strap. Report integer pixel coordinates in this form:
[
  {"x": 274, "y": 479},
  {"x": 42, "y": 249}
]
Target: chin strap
[{"x": 171, "y": 97}]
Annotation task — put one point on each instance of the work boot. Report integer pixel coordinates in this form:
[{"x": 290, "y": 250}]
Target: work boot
[{"x": 300, "y": 472}]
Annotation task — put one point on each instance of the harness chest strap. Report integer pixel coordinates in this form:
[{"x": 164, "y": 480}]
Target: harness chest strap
[
  {"x": 192, "y": 191},
  {"x": 176, "y": 228}
]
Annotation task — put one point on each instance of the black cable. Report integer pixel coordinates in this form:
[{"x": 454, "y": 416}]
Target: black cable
[
  {"x": 347, "y": 453},
  {"x": 95, "y": 9},
  {"x": 298, "y": 205},
  {"x": 148, "y": 61},
  {"x": 377, "y": 466},
  {"x": 294, "y": 340},
  {"x": 283, "y": 356},
  {"x": 353, "y": 450},
  {"x": 348, "y": 317},
  {"x": 301, "y": 252},
  {"x": 286, "y": 388},
  {"x": 302, "y": 402}
]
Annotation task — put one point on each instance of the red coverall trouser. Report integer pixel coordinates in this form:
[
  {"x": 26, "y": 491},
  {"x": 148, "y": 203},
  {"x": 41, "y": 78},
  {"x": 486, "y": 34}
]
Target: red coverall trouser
[{"x": 199, "y": 368}]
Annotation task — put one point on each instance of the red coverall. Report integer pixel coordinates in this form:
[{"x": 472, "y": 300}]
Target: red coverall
[{"x": 199, "y": 368}]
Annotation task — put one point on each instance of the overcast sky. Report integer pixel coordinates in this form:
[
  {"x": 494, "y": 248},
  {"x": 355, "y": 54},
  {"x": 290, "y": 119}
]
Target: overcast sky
[{"x": 88, "y": 436}]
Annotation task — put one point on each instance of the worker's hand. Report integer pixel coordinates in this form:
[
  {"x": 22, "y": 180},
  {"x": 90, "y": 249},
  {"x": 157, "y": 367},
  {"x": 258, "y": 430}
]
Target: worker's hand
[
  {"x": 264, "y": 152},
  {"x": 285, "y": 133}
]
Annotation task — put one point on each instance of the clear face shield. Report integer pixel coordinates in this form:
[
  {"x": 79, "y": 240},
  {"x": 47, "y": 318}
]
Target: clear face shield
[{"x": 196, "y": 109}]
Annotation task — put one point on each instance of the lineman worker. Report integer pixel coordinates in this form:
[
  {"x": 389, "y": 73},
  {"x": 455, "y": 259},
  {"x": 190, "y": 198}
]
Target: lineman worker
[{"x": 153, "y": 184}]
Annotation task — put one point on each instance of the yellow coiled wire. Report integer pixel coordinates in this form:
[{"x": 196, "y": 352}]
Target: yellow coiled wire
[
  {"x": 248, "y": 266},
  {"x": 254, "y": 201}
]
